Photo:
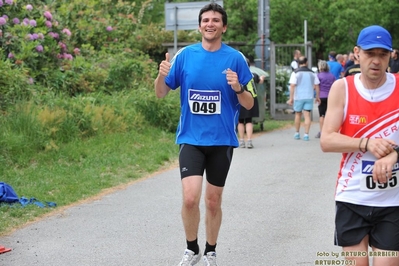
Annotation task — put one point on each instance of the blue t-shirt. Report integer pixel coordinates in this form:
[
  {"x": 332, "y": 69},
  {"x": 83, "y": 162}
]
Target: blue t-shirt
[
  {"x": 304, "y": 80},
  {"x": 209, "y": 106},
  {"x": 335, "y": 68}
]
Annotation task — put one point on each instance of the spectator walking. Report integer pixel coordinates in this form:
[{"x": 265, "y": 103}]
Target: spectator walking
[
  {"x": 345, "y": 59},
  {"x": 294, "y": 63},
  {"x": 303, "y": 82},
  {"x": 210, "y": 96},
  {"x": 351, "y": 60},
  {"x": 326, "y": 79},
  {"x": 245, "y": 124},
  {"x": 335, "y": 68},
  {"x": 394, "y": 62},
  {"x": 341, "y": 59},
  {"x": 355, "y": 67}
]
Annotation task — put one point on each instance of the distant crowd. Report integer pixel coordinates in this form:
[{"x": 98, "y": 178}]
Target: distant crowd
[
  {"x": 328, "y": 71},
  {"x": 342, "y": 65},
  {"x": 347, "y": 60}
]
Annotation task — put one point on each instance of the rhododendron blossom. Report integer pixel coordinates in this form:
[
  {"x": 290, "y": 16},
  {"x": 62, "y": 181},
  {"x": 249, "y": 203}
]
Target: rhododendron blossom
[
  {"x": 54, "y": 35},
  {"x": 62, "y": 46},
  {"x": 68, "y": 56},
  {"x": 38, "y": 34},
  {"x": 25, "y": 22},
  {"x": 29, "y": 37},
  {"x": 66, "y": 31},
  {"x": 48, "y": 15}
]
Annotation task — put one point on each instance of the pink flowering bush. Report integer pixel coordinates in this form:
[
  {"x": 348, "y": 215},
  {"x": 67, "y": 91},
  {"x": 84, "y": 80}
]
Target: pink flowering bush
[
  {"x": 103, "y": 30},
  {"x": 79, "y": 46},
  {"x": 74, "y": 48},
  {"x": 30, "y": 44}
]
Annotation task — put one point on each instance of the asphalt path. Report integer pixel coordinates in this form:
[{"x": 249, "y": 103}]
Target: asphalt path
[{"x": 278, "y": 209}]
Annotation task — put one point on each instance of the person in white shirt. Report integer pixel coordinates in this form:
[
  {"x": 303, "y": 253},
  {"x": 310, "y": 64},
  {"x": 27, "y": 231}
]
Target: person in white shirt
[{"x": 303, "y": 82}]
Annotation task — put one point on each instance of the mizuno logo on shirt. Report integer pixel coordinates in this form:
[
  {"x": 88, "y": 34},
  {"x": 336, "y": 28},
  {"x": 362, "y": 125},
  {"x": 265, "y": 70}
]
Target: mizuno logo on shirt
[{"x": 200, "y": 97}]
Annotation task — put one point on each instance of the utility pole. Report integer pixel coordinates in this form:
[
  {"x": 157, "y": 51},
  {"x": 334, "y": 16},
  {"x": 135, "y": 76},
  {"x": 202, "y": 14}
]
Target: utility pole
[{"x": 263, "y": 29}]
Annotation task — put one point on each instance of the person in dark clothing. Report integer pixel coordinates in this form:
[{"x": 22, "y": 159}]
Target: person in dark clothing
[
  {"x": 326, "y": 79},
  {"x": 245, "y": 124},
  {"x": 355, "y": 68},
  {"x": 394, "y": 62},
  {"x": 351, "y": 60}
]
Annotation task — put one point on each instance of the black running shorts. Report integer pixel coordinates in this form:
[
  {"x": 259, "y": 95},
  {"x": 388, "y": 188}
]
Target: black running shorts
[
  {"x": 322, "y": 107},
  {"x": 353, "y": 222},
  {"x": 193, "y": 160}
]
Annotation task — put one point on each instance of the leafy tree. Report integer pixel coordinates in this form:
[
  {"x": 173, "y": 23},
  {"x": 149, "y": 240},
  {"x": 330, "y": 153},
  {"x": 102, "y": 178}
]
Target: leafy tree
[
  {"x": 242, "y": 24},
  {"x": 332, "y": 25}
]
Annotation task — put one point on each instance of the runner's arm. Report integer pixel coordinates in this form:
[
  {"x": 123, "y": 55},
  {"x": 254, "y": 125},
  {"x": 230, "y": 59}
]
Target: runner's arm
[
  {"x": 161, "y": 89},
  {"x": 331, "y": 140}
]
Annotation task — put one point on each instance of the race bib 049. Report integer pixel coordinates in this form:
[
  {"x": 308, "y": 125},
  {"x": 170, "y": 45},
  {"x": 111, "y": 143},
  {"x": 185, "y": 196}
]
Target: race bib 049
[{"x": 204, "y": 102}]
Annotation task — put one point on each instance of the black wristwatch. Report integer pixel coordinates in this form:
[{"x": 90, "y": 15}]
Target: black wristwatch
[
  {"x": 241, "y": 91},
  {"x": 396, "y": 148}
]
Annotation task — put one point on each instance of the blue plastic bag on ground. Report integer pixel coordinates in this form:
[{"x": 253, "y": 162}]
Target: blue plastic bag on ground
[
  {"x": 7, "y": 193},
  {"x": 25, "y": 201}
]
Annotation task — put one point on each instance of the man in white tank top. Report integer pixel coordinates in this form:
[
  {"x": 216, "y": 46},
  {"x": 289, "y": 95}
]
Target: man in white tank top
[{"x": 362, "y": 123}]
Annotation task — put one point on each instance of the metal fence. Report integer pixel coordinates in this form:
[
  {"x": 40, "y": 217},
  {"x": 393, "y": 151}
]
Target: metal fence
[{"x": 281, "y": 56}]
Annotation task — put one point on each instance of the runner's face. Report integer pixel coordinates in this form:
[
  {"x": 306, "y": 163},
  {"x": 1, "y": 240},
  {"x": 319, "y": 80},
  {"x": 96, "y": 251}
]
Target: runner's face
[
  {"x": 211, "y": 26},
  {"x": 374, "y": 62}
]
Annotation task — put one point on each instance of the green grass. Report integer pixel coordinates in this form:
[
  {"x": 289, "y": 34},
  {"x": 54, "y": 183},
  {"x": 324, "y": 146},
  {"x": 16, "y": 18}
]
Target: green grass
[{"x": 83, "y": 169}]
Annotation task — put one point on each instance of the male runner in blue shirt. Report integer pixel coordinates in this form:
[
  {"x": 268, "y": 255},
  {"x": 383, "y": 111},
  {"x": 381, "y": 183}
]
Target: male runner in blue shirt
[{"x": 211, "y": 77}]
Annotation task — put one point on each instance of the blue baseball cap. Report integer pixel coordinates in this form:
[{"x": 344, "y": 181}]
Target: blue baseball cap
[{"x": 374, "y": 37}]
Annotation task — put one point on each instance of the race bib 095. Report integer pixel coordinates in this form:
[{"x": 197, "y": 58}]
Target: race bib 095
[{"x": 366, "y": 180}]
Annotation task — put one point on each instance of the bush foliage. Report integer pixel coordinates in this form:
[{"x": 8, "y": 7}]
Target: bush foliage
[{"x": 76, "y": 69}]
